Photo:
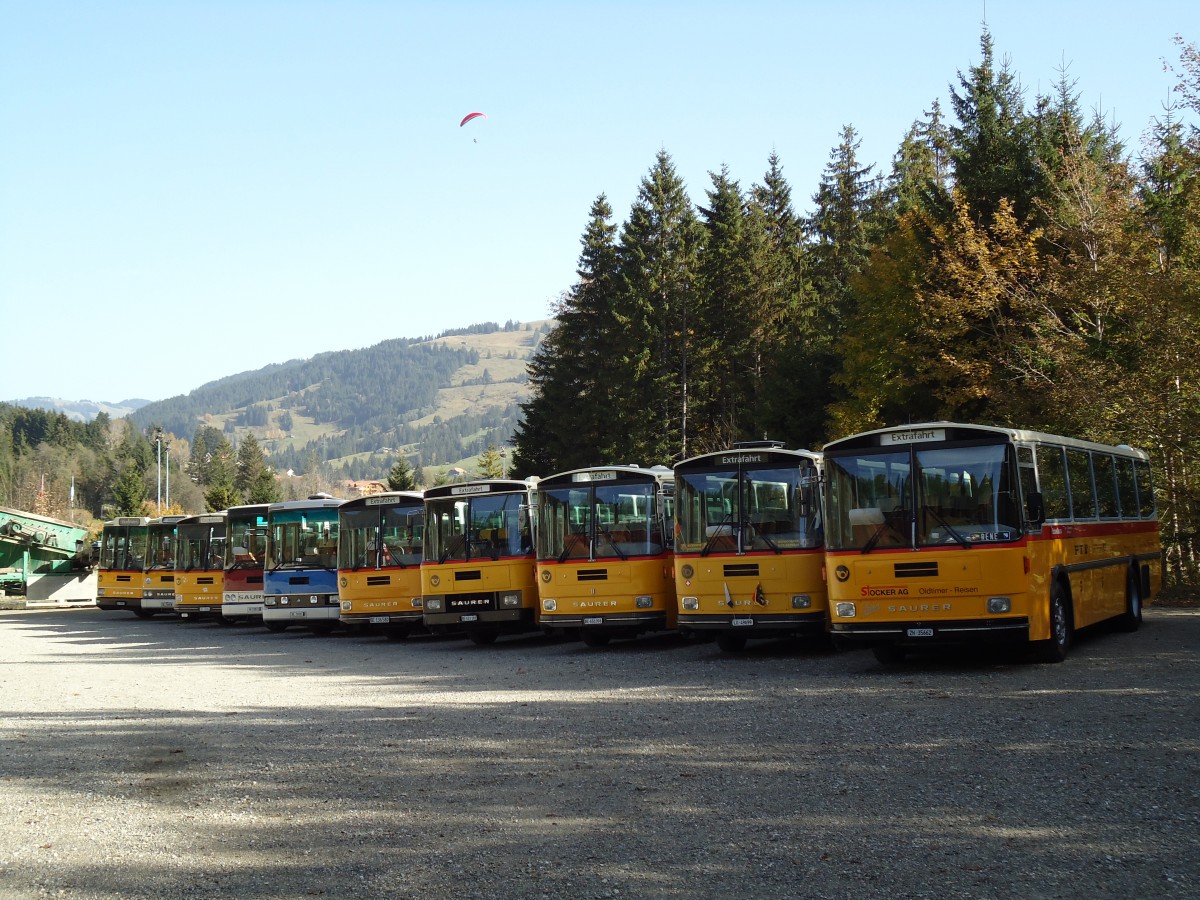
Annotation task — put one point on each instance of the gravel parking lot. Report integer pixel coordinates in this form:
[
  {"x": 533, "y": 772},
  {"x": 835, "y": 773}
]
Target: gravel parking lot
[{"x": 167, "y": 759}]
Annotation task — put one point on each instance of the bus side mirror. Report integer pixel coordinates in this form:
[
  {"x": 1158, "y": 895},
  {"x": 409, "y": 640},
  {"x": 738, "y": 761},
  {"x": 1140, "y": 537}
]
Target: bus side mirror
[{"x": 1035, "y": 509}]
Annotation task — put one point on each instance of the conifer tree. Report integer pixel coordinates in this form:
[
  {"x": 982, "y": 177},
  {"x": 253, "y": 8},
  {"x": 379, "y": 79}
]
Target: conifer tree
[
  {"x": 659, "y": 246},
  {"x": 568, "y": 421},
  {"x": 253, "y": 478},
  {"x": 993, "y": 143},
  {"x": 129, "y": 490},
  {"x": 400, "y": 477}
]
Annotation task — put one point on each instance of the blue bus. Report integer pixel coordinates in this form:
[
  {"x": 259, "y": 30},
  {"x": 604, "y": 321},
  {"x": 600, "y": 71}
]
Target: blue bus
[{"x": 300, "y": 579}]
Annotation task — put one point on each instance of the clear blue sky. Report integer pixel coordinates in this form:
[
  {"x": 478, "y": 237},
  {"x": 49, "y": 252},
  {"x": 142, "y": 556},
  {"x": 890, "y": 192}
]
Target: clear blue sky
[{"x": 194, "y": 189}]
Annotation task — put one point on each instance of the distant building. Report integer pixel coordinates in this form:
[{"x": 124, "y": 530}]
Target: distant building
[{"x": 364, "y": 488}]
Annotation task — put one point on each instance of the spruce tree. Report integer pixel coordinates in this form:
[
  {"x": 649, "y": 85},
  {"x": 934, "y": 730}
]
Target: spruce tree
[
  {"x": 401, "y": 477},
  {"x": 659, "y": 246}
]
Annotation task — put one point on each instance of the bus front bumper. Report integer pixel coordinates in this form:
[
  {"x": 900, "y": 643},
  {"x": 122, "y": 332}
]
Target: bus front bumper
[
  {"x": 752, "y": 624},
  {"x": 917, "y": 634}
]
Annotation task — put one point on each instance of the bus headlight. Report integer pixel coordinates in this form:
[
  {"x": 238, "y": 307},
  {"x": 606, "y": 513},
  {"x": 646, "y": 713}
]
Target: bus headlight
[
  {"x": 347, "y": 606},
  {"x": 999, "y": 604},
  {"x": 511, "y": 599},
  {"x": 434, "y": 604},
  {"x": 643, "y": 602},
  {"x": 549, "y": 604},
  {"x": 99, "y": 592},
  {"x": 691, "y": 602},
  {"x": 417, "y": 602},
  {"x": 845, "y": 610},
  {"x": 801, "y": 601}
]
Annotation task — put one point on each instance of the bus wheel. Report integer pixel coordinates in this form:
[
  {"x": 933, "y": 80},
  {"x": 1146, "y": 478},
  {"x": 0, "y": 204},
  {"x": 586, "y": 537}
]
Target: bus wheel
[
  {"x": 223, "y": 620},
  {"x": 1055, "y": 649},
  {"x": 594, "y": 639},
  {"x": 1131, "y": 619},
  {"x": 143, "y": 613},
  {"x": 731, "y": 643},
  {"x": 481, "y": 637},
  {"x": 889, "y": 654},
  {"x": 275, "y": 626}
]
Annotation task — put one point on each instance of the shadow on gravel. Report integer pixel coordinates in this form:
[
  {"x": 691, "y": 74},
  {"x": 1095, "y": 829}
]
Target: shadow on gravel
[{"x": 617, "y": 772}]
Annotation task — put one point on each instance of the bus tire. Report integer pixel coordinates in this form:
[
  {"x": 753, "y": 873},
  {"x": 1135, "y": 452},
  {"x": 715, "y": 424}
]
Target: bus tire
[
  {"x": 594, "y": 639},
  {"x": 276, "y": 626},
  {"x": 143, "y": 613},
  {"x": 731, "y": 643},
  {"x": 1131, "y": 619},
  {"x": 889, "y": 654},
  {"x": 1055, "y": 649}
]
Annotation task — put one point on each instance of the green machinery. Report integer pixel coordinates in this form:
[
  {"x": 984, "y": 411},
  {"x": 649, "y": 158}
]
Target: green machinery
[{"x": 32, "y": 545}]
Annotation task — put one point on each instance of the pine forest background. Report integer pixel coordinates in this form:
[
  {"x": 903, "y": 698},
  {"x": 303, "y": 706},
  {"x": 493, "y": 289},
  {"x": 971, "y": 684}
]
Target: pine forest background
[{"x": 1015, "y": 264}]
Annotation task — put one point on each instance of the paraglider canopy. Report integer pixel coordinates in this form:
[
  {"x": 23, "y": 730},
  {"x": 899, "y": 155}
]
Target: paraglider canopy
[{"x": 469, "y": 116}]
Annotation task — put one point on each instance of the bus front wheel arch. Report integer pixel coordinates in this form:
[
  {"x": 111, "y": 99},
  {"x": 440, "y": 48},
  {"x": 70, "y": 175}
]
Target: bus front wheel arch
[{"x": 1055, "y": 649}]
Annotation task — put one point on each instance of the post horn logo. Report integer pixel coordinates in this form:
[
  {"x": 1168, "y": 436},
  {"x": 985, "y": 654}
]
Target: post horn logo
[{"x": 841, "y": 573}]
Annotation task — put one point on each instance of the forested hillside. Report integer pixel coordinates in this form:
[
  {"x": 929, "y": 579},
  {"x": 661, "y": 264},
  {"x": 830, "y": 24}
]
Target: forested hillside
[{"x": 1017, "y": 264}]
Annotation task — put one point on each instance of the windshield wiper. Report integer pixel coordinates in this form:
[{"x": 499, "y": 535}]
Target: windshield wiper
[
  {"x": 962, "y": 541},
  {"x": 608, "y": 536},
  {"x": 712, "y": 538},
  {"x": 762, "y": 534}
]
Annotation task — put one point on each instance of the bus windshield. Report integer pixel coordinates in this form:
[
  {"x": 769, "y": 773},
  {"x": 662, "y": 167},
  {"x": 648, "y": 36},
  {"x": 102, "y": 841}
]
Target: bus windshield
[
  {"x": 915, "y": 497},
  {"x": 487, "y": 526},
  {"x": 124, "y": 548},
  {"x": 246, "y": 547},
  {"x": 381, "y": 536},
  {"x": 585, "y": 521},
  {"x": 304, "y": 538},
  {"x": 753, "y": 509}
]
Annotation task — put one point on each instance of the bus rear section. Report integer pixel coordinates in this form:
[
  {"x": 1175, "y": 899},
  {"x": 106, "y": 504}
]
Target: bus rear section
[
  {"x": 200, "y": 566},
  {"x": 604, "y": 553},
  {"x": 947, "y": 534},
  {"x": 245, "y": 553},
  {"x": 380, "y": 548},
  {"x": 300, "y": 580},
  {"x": 748, "y": 545},
  {"x": 478, "y": 573},
  {"x": 120, "y": 572}
]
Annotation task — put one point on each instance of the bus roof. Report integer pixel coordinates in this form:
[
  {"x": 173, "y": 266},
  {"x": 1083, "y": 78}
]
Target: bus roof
[
  {"x": 315, "y": 502},
  {"x": 593, "y": 474},
  {"x": 939, "y": 431},
  {"x": 386, "y": 498},
  {"x": 741, "y": 455},
  {"x": 482, "y": 486}
]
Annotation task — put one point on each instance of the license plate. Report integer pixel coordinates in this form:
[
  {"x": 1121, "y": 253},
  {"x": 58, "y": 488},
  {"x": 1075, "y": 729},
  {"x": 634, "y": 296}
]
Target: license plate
[
  {"x": 120, "y": 603},
  {"x": 204, "y": 609},
  {"x": 746, "y": 621},
  {"x": 380, "y": 620},
  {"x": 298, "y": 614},
  {"x": 469, "y": 617},
  {"x": 593, "y": 620},
  {"x": 920, "y": 632}
]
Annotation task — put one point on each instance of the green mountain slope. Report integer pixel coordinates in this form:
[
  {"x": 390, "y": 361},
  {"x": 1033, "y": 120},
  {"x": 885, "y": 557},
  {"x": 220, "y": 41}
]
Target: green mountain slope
[{"x": 437, "y": 401}]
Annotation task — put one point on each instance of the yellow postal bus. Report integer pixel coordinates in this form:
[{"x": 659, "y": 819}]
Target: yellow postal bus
[
  {"x": 748, "y": 560},
  {"x": 200, "y": 566},
  {"x": 379, "y": 562},
  {"x": 945, "y": 533},
  {"x": 478, "y": 569},
  {"x": 604, "y": 552},
  {"x": 120, "y": 571}
]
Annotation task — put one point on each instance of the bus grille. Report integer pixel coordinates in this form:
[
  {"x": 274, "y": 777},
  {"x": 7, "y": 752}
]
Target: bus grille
[
  {"x": 459, "y": 602},
  {"x": 593, "y": 575},
  {"x": 473, "y": 575},
  {"x": 298, "y": 579},
  {"x": 377, "y": 580},
  {"x": 917, "y": 570},
  {"x": 740, "y": 569}
]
